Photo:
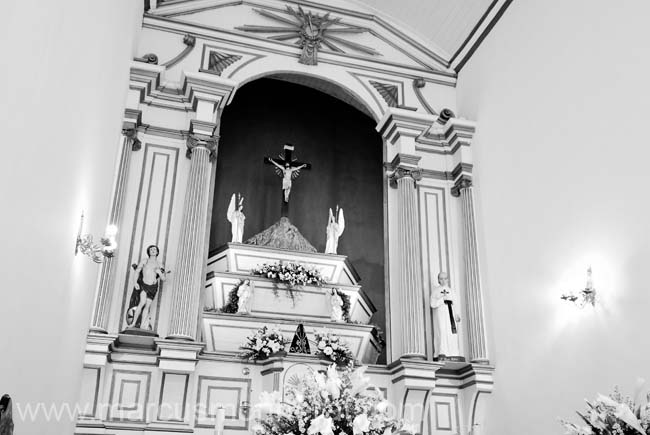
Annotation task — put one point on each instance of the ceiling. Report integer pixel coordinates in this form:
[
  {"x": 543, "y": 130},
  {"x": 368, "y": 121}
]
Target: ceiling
[{"x": 445, "y": 23}]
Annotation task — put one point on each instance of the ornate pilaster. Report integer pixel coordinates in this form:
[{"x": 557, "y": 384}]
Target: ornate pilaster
[
  {"x": 191, "y": 257},
  {"x": 404, "y": 177},
  {"x": 130, "y": 142},
  {"x": 474, "y": 297},
  {"x": 208, "y": 95}
]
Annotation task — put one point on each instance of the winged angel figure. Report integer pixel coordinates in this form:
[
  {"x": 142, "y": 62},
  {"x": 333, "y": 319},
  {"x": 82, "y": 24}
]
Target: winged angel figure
[
  {"x": 335, "y": 228},
  {"x": 236, "y": 217}
]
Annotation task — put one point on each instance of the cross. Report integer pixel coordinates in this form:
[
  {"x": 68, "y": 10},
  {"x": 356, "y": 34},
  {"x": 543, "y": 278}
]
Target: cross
[{"x": 288, "y": 169}]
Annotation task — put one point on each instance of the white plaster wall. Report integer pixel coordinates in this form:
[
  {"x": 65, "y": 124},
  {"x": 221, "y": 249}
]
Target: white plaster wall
[
  {"x": 560, "y": 92},
  {"x": 64, "y": 81}
]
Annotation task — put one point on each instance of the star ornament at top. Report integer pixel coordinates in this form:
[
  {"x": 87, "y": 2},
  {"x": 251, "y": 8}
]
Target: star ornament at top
[{"x": 310, "y": 31}]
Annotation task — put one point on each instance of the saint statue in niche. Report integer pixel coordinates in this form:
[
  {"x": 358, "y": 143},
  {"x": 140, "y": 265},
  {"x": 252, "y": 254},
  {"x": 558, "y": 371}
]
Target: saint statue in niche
[
  {"x": 148, "y": 275},
  {"x": 243, "y": 295},
  {"x": 445, "y": 320},
  {"x": 236, "y": 217},
  {"x": 336, "y": 304},
  {"x": 335, "y": 228}
]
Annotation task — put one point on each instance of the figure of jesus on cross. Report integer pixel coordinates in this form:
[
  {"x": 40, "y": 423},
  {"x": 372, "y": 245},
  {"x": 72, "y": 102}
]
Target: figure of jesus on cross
[{"x": 289, "y": 169}]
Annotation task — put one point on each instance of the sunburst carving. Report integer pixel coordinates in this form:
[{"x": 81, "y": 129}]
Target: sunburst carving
[{"x": 309, "y": 31}]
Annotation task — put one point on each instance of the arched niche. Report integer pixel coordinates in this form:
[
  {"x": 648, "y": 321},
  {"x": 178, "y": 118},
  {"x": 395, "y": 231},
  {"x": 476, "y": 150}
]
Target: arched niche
[{"x": 334, "y": 131}]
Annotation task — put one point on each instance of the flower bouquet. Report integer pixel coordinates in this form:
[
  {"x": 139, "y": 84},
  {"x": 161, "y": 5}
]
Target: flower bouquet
[
  {"x": 331, "y": 347},
  {"x": 325, "y": 404},
  {"x": 262, "y": 344},
  {"x": 614, "y": 415},
  {"x": 291, "y": 274}
]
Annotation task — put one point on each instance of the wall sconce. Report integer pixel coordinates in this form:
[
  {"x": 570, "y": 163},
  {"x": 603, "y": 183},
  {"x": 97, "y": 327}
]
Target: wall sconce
[
  {"x": 97, "y": 253},
  {"x": 584, "y": 296}
]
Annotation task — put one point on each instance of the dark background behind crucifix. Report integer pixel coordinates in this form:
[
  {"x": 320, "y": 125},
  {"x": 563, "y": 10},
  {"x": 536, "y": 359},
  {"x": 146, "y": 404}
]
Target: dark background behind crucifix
[{"x": 345, "y": 152}]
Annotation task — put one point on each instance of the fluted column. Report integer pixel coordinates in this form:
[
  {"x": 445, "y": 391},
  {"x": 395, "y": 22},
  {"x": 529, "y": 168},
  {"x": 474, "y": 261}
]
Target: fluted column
[
  {"x": 474, "y": 293},
  {"x": 188, "y": 280},
  {"x": 101, "y": 306},
  {"x": 410, "y": 293}
]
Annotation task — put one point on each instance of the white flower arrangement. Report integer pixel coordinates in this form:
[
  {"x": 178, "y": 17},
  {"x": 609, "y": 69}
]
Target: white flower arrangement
[
  {"x": 331, "y": 346},
  {"x": 263, "y": 343},
  {"x": 614, "y": 415},
  {"x": 327, "y": 404},
  {"x": 291, "y": 274}
]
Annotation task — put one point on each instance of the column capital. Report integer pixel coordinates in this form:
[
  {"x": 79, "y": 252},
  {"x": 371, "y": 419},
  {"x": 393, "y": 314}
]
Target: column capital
[
  {"x": 403, "y": 165},
  {"x": 195, "y": 140},
  {"x": 463, "y": 182},
  {"x": 131, "y": 121}
]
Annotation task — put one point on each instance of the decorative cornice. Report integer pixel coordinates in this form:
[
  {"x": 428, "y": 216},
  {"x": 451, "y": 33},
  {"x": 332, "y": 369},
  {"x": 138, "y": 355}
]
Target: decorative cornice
[
  {"x": 133, "y": 115},
  {"x": 145, "y": 78},
  {"x": 407, "y": 161},
  {"x": 461, "y": 168},
  {"x": 238, "y": 39},
  {"x": 399, "y": 122},
  {"x": 208, "y": 87},
  {"x": 205, "y": 128},
  {"x": 464, "y": 182},
  {"x": 195, "y": 141}
]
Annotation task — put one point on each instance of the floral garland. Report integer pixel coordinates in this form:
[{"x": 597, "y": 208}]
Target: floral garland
[
  {"x": 232, "y": 306},
  {"x": 346, "y": 304},
  {"x": 327, "y": 404},
  {"x": 331, "y": 347},
  {"x": 262, "y": 344},
  {"x": 291, "y": 274},
  {"x": 614, "y": 415}
]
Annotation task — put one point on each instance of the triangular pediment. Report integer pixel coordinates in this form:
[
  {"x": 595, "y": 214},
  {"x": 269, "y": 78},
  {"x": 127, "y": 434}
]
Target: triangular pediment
[{"x": 344, "y": 33}]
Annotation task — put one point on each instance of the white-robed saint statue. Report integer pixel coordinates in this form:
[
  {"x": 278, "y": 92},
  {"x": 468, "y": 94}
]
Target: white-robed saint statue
[
  {"x": 236, "y": 217},
  {"x": 445, "y": 319},
  {"x": 335, "y": 228}
]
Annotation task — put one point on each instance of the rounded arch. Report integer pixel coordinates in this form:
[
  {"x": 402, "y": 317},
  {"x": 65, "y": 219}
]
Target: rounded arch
[{"x": 346, "y": 88}]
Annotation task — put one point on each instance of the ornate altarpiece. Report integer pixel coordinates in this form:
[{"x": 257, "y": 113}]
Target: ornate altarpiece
[{"x": 172, "y": 380}]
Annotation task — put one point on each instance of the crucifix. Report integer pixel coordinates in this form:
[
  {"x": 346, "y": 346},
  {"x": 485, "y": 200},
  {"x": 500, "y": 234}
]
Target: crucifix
[{"x": 288, "y": 169}]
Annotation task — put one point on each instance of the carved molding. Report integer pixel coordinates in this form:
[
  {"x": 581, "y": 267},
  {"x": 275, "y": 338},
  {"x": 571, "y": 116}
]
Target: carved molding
[{"x": 152, "y": 58}]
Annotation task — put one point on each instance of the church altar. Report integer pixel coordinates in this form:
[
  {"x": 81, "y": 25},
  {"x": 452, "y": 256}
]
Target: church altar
[{"x": 171, "y": 373}]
